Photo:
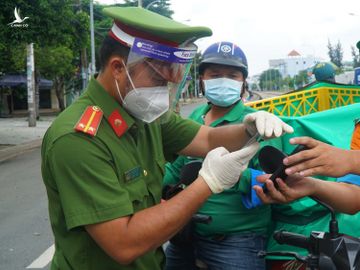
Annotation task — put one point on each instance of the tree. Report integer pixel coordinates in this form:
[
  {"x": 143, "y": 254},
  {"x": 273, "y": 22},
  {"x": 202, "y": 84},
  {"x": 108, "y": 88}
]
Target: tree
[
  {"x": 270, "y": 79},
  {"x": 56, "y": 62},
  {"x": 50, "y": 23},
  {"x": 355, "y": 56},
  {"x": 336, "y": 54},
  {"x": 301, "y": 78}
]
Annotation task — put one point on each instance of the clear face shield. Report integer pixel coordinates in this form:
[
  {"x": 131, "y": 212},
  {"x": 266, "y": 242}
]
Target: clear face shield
[{"x": 157, "y": 72}]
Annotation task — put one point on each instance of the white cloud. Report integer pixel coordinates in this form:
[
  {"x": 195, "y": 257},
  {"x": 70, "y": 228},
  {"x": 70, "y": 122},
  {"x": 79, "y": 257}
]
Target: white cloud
[{"x": 271, "y": 29}]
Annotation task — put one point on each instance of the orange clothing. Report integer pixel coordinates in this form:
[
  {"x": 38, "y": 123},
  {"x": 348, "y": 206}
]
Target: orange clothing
[{"x": 355, "y": 141}]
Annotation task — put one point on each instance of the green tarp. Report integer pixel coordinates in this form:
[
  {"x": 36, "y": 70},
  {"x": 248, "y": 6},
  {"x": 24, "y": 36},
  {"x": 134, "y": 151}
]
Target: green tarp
[{"x": 334, "y": 126}]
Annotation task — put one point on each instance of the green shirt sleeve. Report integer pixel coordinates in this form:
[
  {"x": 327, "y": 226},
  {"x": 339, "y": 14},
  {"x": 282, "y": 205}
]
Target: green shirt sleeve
[
  {"x": 172, "y": 171},
  {"x": 177, "y": 133},
  {"x": 87, "y": 183}
]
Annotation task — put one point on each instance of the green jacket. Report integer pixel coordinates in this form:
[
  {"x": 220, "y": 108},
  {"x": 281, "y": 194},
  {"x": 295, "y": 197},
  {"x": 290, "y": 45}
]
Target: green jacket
[{"x": 229, "y": 216}]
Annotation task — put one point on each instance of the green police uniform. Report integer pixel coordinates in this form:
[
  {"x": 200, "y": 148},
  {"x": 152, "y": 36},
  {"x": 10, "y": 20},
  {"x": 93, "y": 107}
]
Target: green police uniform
[
  {"x": 100, "y": 178},
  {"x": 229, "y": 216}
]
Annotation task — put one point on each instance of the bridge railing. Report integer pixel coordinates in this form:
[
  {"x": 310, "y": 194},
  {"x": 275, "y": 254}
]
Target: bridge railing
[{"x": 319, "y": 97}]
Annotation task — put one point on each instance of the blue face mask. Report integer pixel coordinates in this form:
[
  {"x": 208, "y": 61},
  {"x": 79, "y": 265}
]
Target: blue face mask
[{"x": 222, "y": 92}]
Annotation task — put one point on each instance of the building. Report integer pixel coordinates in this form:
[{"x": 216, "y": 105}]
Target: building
[
  {"x": 293, "y": 63},
  {"x": 13, "y": 94}
]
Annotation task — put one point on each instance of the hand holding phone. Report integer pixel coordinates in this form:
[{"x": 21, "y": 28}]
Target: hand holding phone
[{"x": 271, "y": 161}]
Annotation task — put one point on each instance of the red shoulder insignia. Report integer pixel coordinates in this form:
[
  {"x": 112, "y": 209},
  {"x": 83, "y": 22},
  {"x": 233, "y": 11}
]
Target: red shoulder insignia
[
  {"x": 90, "y": 120},
  {"x": 118, "y": 123}
]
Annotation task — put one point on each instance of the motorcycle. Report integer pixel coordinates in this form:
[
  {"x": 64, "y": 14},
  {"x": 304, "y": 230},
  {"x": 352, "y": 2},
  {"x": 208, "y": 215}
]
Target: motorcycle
[{"x": 188, "y": 174}]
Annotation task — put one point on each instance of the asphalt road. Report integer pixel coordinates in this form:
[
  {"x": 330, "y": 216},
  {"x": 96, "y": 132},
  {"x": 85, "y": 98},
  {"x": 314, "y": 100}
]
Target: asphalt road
[
  {"x": 26, "y": 239},
  {"x": 24, "y": 226}
]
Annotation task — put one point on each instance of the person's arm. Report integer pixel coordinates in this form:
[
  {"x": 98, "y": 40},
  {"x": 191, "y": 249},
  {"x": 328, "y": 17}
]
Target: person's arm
[
  {"x": 233, "y": 137},
  {"x": 322, "y": 159},
  {"x": 342, "y": 197},
  {"x": 126, "y": 238}
]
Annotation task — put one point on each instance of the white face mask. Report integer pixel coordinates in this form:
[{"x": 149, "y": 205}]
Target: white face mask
[{"x": 145, "y": 103}]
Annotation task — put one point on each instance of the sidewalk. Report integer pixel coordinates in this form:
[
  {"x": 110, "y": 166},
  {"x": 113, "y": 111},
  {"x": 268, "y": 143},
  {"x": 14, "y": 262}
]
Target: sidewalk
[{"x": 16, "y": 137}]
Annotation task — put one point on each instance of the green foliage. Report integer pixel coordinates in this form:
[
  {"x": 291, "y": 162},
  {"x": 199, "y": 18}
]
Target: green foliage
[
  {"x": 356, "y": 57},
  {"x": 55, "y": 61},
  {"x": 301, "y": 79},
  {"x": 51, "y": 22},
  {"x": 336, "y": 54},
  {"x": 13, "y": 59},
  {"x": 271, "y": 79}
]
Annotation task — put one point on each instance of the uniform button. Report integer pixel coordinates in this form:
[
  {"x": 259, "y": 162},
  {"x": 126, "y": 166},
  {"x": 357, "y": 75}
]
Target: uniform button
[
  {"x": 145, "y": 172},
  {"x": 117, "y": 122}
]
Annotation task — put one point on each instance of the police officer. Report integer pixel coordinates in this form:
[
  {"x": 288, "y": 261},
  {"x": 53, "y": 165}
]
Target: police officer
[
  {"x": 235, "y": 235},
  {"x": 103, "y": 157}
]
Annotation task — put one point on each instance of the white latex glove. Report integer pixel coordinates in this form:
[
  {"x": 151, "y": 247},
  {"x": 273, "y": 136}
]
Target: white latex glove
[
  {"x": 266, "y": 124},
  {"x": 222, "y": 169}
]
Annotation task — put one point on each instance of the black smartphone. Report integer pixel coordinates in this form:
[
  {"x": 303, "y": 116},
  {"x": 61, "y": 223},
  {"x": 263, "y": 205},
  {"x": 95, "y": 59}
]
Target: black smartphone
[{"x": 271, "y": 161}]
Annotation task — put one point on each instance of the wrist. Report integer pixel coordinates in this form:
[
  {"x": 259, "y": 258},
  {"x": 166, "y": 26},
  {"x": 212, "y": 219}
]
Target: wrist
[
  {"x": 317, "y": 187},
  {"x": 202, "y": 185},
  {"x": 210, "y": 182},
  {"x": 353, "y": 161}
]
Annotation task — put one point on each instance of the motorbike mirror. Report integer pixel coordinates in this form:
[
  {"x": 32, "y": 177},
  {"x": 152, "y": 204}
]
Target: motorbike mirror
[
  {"x": 270, "y": 158},
  {"x": 190, "y": 172}
]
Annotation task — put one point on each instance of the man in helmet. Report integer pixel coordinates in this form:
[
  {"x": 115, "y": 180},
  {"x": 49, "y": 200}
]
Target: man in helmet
[
  {"x": 324, "y": 72},
  {"x": 103, "y": 157},
  {"x": 235, "y": 235}
]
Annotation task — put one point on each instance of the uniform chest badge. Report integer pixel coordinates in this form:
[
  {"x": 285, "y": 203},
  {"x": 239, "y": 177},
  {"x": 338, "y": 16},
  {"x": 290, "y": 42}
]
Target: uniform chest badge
[{"x": 90, "y": 120}]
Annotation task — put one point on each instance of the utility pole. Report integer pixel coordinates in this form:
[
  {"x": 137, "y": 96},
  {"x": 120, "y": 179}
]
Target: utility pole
[
  {"x": 83, "y": 61},
  {"x": 139, "y": 3},
  {"x": 92, "y": 38},
  {"x": 195, "y": 84},
  {"x": 31, "y": 85}
]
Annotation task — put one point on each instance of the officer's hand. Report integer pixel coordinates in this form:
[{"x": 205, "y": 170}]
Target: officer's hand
[
  {"x": 222, "y": 169},
  {"x": 266, "y": 124}
]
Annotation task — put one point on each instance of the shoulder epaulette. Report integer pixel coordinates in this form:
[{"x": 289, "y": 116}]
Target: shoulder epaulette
[{"x": 90, "y": 120}]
